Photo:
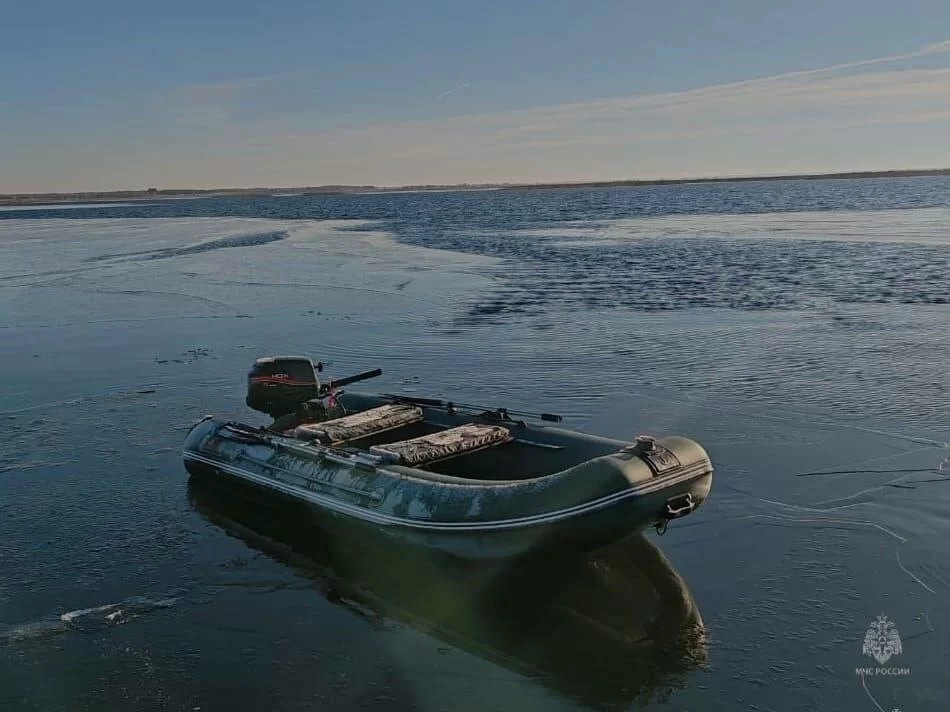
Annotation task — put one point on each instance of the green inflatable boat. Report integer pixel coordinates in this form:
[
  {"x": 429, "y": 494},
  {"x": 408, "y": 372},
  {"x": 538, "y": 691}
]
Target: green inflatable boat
[{"x": 467, "y": 481}]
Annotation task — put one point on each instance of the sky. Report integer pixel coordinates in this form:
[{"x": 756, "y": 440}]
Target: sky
[{"x": 105, "y": 95}]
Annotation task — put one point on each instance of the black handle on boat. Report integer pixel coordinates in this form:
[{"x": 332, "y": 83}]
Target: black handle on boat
[
  {"x": 436, "y": 403},
  {"x": 336, "y": 383},
  {"x": 549, "y": 417}
]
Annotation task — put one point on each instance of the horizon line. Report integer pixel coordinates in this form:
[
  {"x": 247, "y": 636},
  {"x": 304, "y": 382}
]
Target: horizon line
[{"x": 369, "y": 187}]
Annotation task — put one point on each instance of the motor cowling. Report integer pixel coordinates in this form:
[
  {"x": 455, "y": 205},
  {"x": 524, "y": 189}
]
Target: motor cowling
[{"x": 277, "y": 385}]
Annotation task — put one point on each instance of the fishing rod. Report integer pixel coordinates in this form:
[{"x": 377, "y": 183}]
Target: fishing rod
[{"x": 451, "y": 405}]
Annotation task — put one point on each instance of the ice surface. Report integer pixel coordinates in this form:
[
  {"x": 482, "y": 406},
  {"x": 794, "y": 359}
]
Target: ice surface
[{"x": 116, "y": 334}]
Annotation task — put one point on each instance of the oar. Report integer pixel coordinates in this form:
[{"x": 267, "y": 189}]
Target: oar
[{"x": 436, "y": 403}]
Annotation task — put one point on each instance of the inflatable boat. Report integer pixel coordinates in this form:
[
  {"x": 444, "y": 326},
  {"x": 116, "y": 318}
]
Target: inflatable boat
[{"x": 470, "y": 481}]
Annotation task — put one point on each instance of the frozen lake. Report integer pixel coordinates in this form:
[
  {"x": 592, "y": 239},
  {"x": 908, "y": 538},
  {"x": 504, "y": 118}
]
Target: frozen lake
[{"x": 801, "y": 333}]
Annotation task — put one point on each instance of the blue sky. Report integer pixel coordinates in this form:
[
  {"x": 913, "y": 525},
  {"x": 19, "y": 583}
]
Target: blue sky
[{"x": 104, "y": 95}]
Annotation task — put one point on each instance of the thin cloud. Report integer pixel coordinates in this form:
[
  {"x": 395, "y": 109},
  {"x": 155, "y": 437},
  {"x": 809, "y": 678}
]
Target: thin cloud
[
  {"x": 760, "y": 90},
  {"x": 794, "y": 95},
  {"x": 936, "y": 47},
  {"x": 825, "y": 100},
  {"x": 886, "y": 111},
  {"x": 454, "y": 89}
]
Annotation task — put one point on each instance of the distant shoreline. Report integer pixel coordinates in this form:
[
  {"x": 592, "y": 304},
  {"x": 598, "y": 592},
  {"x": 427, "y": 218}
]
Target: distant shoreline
[{"x": 175, "y": 193}]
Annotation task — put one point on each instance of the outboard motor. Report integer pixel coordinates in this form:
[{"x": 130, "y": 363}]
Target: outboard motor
[
  {"x": 288, "y": 390},
  {"x": 277, "y": 385}
]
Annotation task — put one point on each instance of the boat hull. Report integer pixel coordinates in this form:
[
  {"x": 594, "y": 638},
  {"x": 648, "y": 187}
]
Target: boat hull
[
  {"x": 470, "y": 520},
  {"x": 586, "y": 532}
]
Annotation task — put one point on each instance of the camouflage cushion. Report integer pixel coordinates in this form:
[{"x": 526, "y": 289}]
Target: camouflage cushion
[
  {"x": 359, "y": 425},
  {"x": 447, "y": 443}
]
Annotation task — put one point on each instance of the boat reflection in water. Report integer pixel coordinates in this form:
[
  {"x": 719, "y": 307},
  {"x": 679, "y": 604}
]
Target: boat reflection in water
[{"x": 614, "y": 627}]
